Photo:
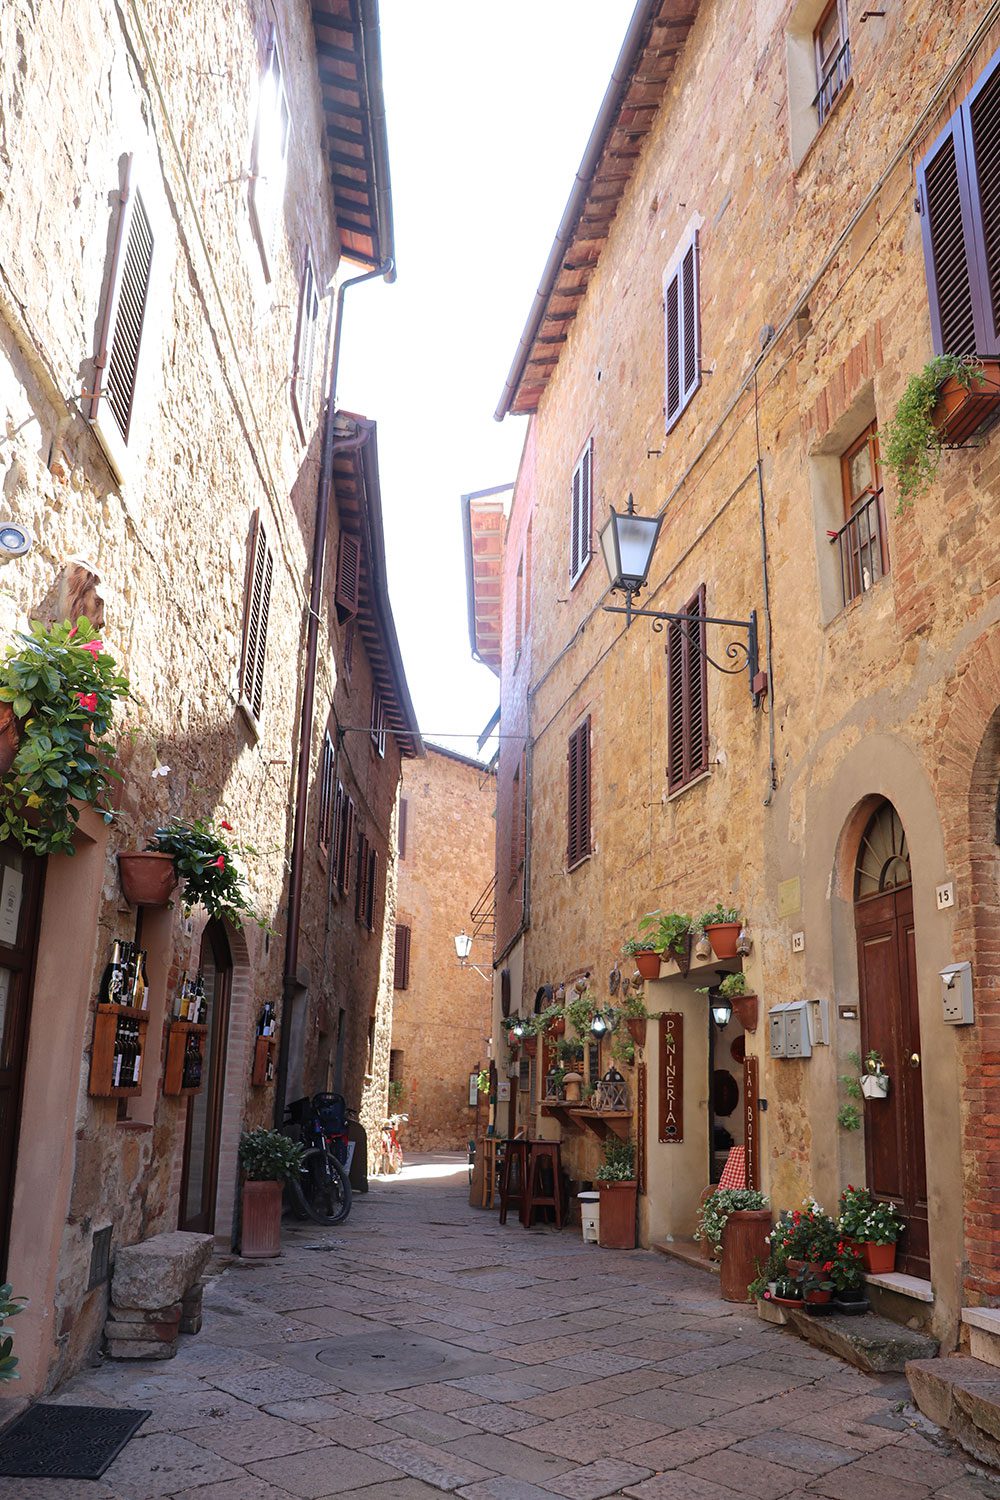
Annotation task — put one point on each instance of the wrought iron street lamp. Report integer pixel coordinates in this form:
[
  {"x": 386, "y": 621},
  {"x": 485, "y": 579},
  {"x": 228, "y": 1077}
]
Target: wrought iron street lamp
[
  {"x": 628, "y": 541},
  {"x": 598, "y": 1026},
  {"x": 463, "y": 946},
  {"x": 722, "y": 1011}
]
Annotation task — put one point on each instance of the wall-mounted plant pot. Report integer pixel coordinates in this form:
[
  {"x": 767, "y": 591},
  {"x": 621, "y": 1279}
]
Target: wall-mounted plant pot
[
  {"x": 723, "y": 937},
  {"x": 745, "y": 1007},
  {"x": 637, "y": 1029},
  {"x": 680, "y": 959},
  {"x": 530, "y": 1045},
  {"x": 260, "y": 1235},
  {"x": 647, "y": 961},
  {"x": 875, "y": 1085},
  {"x": 10, "y": 738},
  {"x": 147, "y": 879},
  {"x": 960, "y": 413}
]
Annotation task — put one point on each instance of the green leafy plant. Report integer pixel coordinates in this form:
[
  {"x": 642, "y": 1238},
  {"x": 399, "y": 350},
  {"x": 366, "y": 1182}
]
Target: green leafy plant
[
  {"x": 396, "y": 1091},
  {"x": 9, "y": 1306},
  {"x": 665, "y": 932},
  {"x": 863, "y": 1217},
  {"x": 269, "y": 1156},
  {"x": 623, "y": 1050},
  {"x": 633, "y": 945},
  {"x": 874, "y": 1062},
  {"x": 729, "y": 988},
  {"x": 719, "y": 1205},
  {"x": 633, "y": 1007},
  {"x": 849, "y": 1117},
  {"x": 851, "y": 1081},
  {"x": 206, "y": 864},
  {"x": 910, "y": 444},
  {"x": 715, "y": 917},
  {"x": 569, "y": 1049},
  {"x": 62, "y": 687},
  {"x": 772, "y": 1270},
  {"x": 847, "y": 1269},
  {"x": 580, "y": 1011},
  {"x": 619, "y": 1162}
]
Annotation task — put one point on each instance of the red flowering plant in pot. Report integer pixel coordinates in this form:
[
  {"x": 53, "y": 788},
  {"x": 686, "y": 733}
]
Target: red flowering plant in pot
[
  {"x": 807, "y": 1235},
  {"x": 209, "y": 865}
]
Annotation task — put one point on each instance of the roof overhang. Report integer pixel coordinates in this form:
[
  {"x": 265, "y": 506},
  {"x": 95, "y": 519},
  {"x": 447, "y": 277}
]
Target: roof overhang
[
  {"x": 349, "y": 59},
  {"x": 483, "y": 519},
  {"x": 359, "y": 503},
  {"x": 655, "y": 38}
]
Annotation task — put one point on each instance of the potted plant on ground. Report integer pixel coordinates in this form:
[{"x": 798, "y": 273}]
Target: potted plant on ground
[
  {"x": 847, "y": 1275},
  {"x": 944, "y": 403},
  {"x": 786, "y": 1292},
  {"x": 874, "y": 1080},
  {"x": 815, "y": 1283},
  {"x": 873, "y": 1226},
  {"x": 721, "y": 925},
  {"x": 736, "y": 1223},
  {"x": 208, "y": 865},
  {"x": 769, "y": 1271},
  {"x": 268, "y": 1160},
  {"x": 616, "y": 1181},
  {"x": 635, "y": 1013},
  {"x": 807, "y": 1235},
  {"x": 61, "y": 688}
]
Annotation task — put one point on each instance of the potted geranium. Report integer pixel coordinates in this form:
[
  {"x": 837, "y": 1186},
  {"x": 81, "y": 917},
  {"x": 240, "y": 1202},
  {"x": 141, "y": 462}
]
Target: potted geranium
[
  {"x": 807, "y": 1235},
  {"x": 60, "y": 687},
  {"x": 721, "y": 925},
  {"x": 616, "y": 1181},
  {"x": 206, "y": 863},
  {"x": 736, "y": 1223},
  {"x": 268, "y": 1160},
  {"x": 873, "y": 1226},
  {"x": 847, "y": 1275}
]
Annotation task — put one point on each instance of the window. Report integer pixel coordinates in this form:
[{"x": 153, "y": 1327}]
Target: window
[
  {"x": 682, "y": 329},
  {"x": 305, "y": 351},
  {"x": 580, "y": 518},
  {"x": 404, "y": 809},
  {"x": 517, "y": 821},
  {"x": 364, "y": 891},
  {"x": 270, "y": 155},
  {"x": 401, "y": 969},
  {"x": 120, "y": 340},
  {"x": 959, "y": 187},
  {"x": 378, "y": 723},
  {"x": 256, "y": 611},
  {"x": 578, "y": 802},
  {"x": 343, "y": 838},
  {"x": 395, "y": 1065},
  {"x": 861, "y": 541},
  {"x": 519, "y": 606},
  {"x": 687, "y": 696},
  {"x": 347, "y": 591},
  {"x": 833, "y": 56},
  {"x": 327, "y": 797}
]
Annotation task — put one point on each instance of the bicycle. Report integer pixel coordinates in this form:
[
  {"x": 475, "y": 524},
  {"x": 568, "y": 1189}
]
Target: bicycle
[
  {"x": 322, "y": 1190},
  {"x": 392, "y": 1151}
]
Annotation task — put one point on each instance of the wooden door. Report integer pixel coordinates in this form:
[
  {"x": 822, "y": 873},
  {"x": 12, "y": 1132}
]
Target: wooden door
[
  {"x": 890, "y": 1024},
  {"x": 200, "y": 1177},
  {"x": 21, "y": 877}
]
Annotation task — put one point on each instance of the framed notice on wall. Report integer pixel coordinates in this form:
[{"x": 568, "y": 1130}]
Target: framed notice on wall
[{"x": 670, "y": 1105}]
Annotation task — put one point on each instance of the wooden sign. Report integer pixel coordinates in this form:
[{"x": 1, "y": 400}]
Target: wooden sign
[
  {"x": 671, "y": 1102},
  {"x": 750, "y": 1122},
  {"x": 640, "y": 1126}
]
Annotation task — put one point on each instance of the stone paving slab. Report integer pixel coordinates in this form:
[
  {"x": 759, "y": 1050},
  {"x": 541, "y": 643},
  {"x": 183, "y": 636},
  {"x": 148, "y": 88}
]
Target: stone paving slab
[{"x": 421, "y": 1350}]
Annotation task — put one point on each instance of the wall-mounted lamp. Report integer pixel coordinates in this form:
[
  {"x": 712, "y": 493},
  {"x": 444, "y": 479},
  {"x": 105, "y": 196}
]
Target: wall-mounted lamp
[
  {"x": 463, "y": 947},
  {"x": 599, "y": 1026},
  {"x": 627, "y": 543},
  {"x": 722, "y": 1012}
]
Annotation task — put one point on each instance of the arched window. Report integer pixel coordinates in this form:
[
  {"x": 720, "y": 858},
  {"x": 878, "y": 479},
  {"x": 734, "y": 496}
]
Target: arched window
[{"x": 883, "y": 857}]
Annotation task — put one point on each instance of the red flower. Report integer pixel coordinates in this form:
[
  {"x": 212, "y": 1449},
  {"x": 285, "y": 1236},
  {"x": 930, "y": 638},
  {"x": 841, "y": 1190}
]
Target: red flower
[
  {"x": 220, "y": 863},
  {"x": 88, "y": 701},
  {"x": 227, "y": 826},
  {"x": 94, "y": 647}
]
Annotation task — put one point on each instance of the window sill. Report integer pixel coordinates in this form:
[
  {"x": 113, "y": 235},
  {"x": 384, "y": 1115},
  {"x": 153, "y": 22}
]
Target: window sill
[
  {"x": 579, "y": 862},
  {"x": 821, "y": 130},
  {"x": 858, "y": 602},
  {"x": 695, "y": 781}
]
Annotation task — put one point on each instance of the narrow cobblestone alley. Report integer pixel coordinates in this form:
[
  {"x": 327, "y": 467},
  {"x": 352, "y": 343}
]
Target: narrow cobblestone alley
[{"x": 421, "y": 1348}]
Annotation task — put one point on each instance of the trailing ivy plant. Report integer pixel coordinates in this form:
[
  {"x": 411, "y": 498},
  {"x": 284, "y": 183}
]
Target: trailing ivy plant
[
  {"x": 623, "y": 1050},
  {"x": 910, "y": 444},
  {"x": 206, "y": 863},
  {"x": 719, "y": 1205},
  {"x": 62, "y": 687}
]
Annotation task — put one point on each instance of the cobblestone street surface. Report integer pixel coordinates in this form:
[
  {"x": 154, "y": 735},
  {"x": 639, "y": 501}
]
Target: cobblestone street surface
[{"x": 421, "y": 1348}]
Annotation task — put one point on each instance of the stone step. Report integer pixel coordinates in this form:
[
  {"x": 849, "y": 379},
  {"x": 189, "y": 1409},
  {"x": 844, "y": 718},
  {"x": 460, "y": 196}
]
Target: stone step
[
  {"x": 963, "y": 1395},
  {"x": 871, "y": 1343},
  {"x": 688, "y": 1251}
]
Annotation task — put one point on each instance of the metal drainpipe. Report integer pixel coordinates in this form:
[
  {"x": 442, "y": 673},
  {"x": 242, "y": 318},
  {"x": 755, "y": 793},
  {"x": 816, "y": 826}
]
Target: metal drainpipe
[{"x": 324, "y": 492}]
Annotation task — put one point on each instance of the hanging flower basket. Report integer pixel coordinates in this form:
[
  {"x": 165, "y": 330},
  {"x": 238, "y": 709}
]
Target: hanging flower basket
[
  {"x": 875, "y": 1085},
  {"x": 961, "y": 410},
  {"x": 147, "y": 879},
  {"x": 745, "y": 1007},
  {"x": 637, "y": 1029}
]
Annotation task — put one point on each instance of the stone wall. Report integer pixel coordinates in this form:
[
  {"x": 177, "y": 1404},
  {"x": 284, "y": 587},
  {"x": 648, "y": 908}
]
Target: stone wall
[{"x": 441, "y": 1020}]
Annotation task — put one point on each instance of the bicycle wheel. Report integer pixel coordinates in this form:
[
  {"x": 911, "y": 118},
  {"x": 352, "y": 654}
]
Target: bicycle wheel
[{"x": 322, "y": 1189}]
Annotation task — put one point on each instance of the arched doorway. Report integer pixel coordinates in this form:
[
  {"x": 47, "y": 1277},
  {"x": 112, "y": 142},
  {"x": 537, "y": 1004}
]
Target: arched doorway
[
  {"x": 21, "y": 879},
  {"x": 200, "y": 1176},
  {"x": 890, "y": 1025}
]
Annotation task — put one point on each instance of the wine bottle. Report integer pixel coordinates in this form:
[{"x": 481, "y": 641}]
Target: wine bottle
[
  {"x": 139, "y": 997},
  {"x": 114, "y": 976},
  {"x": 136, "y": 1056},
  {"x": 116, "y": 1062},
  {"x": 128, "y": 975},
  {"x": 200, "y": 1000}
]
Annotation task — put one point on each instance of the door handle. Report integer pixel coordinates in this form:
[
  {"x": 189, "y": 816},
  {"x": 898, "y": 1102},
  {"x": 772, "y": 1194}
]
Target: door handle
[{"x": 914, "y": 1059}]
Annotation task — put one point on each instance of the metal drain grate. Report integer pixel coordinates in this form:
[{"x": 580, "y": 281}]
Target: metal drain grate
[{"x": 66, "y": 1442}]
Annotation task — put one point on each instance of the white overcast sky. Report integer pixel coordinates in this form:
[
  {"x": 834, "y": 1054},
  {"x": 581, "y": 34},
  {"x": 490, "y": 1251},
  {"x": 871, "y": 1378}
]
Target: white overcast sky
[{"x": 489, "y": 109}]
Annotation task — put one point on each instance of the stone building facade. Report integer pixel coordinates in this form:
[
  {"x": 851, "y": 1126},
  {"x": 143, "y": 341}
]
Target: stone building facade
[
  {"x": 441, "y": 1010},
  {"x": 738, "y": 301},
  {"x": 175, "y": 226}
]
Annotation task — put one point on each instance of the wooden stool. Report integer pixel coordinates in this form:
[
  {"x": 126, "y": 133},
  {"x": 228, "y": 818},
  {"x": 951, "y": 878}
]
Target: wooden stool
[
  {"x": 514, "y": 1193},
  {"x": 544, "y": 1158}
]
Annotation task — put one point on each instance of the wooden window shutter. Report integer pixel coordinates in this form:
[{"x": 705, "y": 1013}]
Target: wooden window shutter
[
  {"x": 951, "y": 271},
  {"x": 581, "y": 512},
  {"x": 371, "y": 888},
  {"x": 335, "y": 827},
  {"x": 401, "y": 967},
  {"x": 690, "y": 329},
  {"x": 682, "y": 332},
  {"x": 578, "y": 801},
  {"x": 120, "y": 337},
  {"x": 687, "y": 697},
  {"x": 305, "y": 350},
  {"x": 347, "y": 594},
  {"x": 401, "y": 827},
  {"x": 256, "y": 611},
  {"x": 505, "y": 992},
  {"x": 361, "y": 878},
  {"x": 326, "y": 793},
  {"x": 345, "y": 845},
  {"x": 981, "y": 115}
]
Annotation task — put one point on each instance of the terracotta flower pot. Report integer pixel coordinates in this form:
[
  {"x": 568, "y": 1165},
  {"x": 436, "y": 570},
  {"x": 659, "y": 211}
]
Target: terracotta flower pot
[
  {"x": 817, "y": 1296},
  {"x": 960, "y": 413},
  {"x": 880, "y": 1260},
  {"x": 147, "y": 879},
  {"x": 745, "y": 1007},
  {"x": 530, "y": 1045},
  {"x": 616, "y": 1228},
  {"x": 637, "y": 1029},
  {"x": 260, "y": 1235},
  {"x": 723, "y": 937},
  {"x": 10, "y": 739},
  {"x": 744, "y": 1247},
  {"x": 647, "y": 961}
]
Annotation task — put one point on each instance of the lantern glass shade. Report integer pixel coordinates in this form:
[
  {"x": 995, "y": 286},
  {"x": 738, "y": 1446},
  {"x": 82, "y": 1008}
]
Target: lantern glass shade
[
  {"x": 627, "y": 542},
  {"x": 518, "y": 1029},
  {"x": 463, "y": 945},
  {"x": 598, "y": 1026},
  {"x": 722, "y": 1012}
]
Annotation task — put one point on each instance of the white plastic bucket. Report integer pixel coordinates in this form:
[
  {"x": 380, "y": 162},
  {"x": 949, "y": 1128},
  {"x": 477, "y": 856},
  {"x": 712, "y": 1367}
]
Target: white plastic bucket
[{"x": 590, "y": 1213}]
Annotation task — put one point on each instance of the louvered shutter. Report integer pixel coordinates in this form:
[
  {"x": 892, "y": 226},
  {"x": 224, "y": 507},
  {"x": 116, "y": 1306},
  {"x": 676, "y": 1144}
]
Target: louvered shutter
[
  {"x": 574, "y": 528},
  {"x": 951, "y": 271},
  {"x": 505, "y": 992},
  {"x": 326, "y": 793},
  {"x": 371, "y": 887},
  {"x": 687, "y": 697},
  {"x": 256, "y": 612},
  {"x": 305, "y": 350},
  {"x": 581, "y": 512},
  {"x": 578, "y": 799},
  {"x": 348, "y": 590},
  {"x": 573, "y": 800},
  {"x": 345, "y": 846},
  {"x": 401, "y": 829},
  {"x": 361, "y": 879},
  {"x": 682, "y": 333},
  {"x": 401, "y": 966},
  {"x": 981, "y": 118},
  {"x": 120, "y": 338},
  {"x": 336, "y": 825}
]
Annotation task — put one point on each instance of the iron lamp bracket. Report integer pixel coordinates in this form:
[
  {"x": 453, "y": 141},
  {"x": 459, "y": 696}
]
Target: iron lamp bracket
[{"x": 744, "y": 654}]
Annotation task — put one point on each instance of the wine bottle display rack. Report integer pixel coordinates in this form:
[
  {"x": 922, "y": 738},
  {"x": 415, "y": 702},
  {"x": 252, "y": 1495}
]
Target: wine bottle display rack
[
  {"x": 185, "y": 1070},
  {"x": 263, "y": 1062},
  {"x": 119, "y": 1051}
]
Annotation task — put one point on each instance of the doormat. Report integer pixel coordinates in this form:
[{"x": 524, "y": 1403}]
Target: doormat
[{"x": 66, "y": 1442}]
